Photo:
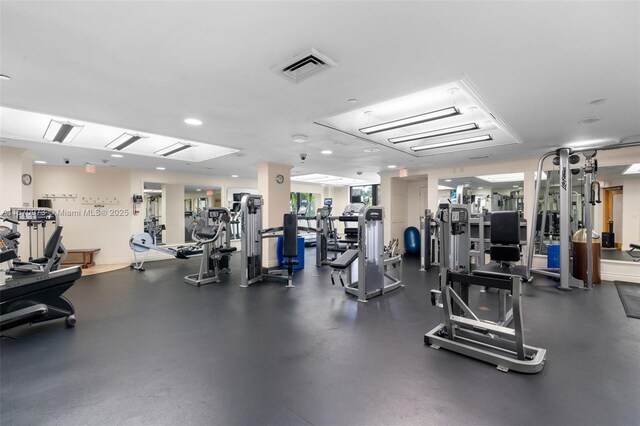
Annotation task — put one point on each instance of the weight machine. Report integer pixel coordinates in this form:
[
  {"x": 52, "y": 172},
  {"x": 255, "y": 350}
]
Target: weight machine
[
  {"x": 326, "y": 235},
  {"x": 213, "y": 236},
  {"x": 564, "y": 158},
  {"x": 251, "y": 242},
  {"x": 375, "y": 264},
  {"x": 462, "y": 330}
]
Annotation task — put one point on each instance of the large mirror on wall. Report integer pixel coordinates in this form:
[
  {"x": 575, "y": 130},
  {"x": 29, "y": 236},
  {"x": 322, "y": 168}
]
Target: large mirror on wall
[
  {"x": 608, "y": 217},
  {"x": 197, "y": 198},
  {"x": 485, "y": 194},
  {"x": 232, "y": 202},
  {"x": 152, "y": 203}
]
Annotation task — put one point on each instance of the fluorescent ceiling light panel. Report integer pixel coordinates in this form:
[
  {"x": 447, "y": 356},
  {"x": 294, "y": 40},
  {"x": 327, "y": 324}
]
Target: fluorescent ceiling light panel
[
  {"x": 152, "y": 191},
  {"x": 61, "y": 131},
  {"x": 319, "y": 178},
  {"x": 632, "y": 169},
  {"x": 173, "y": 149},
  {"x": 435, "y": 133},
  {"x": 465, "y": 141},
  {"x": 124, "y": 140},
  {"x": 442, "y": 188},
  {"x": 503, "y": 177},
  {"x": 410, "y": 121}
]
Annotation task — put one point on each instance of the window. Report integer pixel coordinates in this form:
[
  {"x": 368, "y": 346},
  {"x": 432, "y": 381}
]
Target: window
[
  {"x": 370, "y": 194},
  {"x": 299, "y": 199}
]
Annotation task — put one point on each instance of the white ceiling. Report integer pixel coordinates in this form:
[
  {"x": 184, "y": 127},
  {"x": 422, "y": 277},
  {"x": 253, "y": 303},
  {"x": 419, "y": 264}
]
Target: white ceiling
[{"x": 149, "y": 65}]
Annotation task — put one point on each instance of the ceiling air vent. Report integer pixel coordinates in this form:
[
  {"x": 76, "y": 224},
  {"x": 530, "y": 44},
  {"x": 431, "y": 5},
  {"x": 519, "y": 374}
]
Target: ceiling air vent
[{"x": 304, "y": 65}]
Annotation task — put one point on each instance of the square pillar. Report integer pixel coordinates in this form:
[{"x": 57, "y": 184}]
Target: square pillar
[{"x": 276, "y": 193}]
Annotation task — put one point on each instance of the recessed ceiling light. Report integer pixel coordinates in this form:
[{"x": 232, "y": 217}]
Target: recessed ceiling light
[
  {"x": 160, "y": 168},
  {"x": 447, "y": 180},
  {"x": 371, "y": 149},
  {"x": 193, "y": 121},
  {"x": 515, "y": 186},
  {"x": 326, "y": 152},
  {"x": 4, "y": 77},
  {"x": 480, "y": 187},
  {"x": 117, "y": 155},
  {"x": 198, "y": 189},
  {"x": 299, "y": 138},
  {"x": 391, "y": 166},
  {"x": 40, "y": 162},
  {"x": 234, "y": 176}
]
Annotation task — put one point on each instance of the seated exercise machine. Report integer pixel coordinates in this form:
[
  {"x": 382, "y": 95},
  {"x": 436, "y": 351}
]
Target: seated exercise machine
[
  {"x": 143, "y": 242},
  {"x": 462, "y": 330},
  {"x": 212, "y": 234},
  {"x": 326, "y": 235},
  {"x": 251, "y": 242},
  {"x": 32, "y": 293},
  {"x": 375, "y": 264}
]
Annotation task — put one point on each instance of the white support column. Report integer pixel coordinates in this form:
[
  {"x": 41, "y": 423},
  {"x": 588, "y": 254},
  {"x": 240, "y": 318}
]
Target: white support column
[{"x": 276, "y": 203}]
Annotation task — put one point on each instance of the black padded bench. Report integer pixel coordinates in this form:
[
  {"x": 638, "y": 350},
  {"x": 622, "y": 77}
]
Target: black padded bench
[
  {"x": 634, "y": 254},
  {"x": 343, "y": 263},
  {"x": 345, "y": 260}
]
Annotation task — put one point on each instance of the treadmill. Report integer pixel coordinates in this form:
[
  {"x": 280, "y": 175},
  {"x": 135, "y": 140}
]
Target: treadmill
[{"x": 32, "y": 292}]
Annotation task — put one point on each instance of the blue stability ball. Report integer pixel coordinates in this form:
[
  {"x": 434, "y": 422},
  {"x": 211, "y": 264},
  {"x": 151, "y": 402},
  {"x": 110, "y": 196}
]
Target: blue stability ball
[{"x": 412, "y": 240}]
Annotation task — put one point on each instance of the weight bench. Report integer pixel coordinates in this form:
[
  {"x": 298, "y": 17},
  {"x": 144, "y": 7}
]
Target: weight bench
[
  {"x": 341, "y": 263},
  {"x": 635, "y": 255}
]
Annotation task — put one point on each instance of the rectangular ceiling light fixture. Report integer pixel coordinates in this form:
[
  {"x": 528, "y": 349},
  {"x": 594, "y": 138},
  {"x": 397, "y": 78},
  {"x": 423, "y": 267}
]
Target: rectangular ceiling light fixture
[
  {"x": 503, "y": 177},
  {"x": 434, "y": 133},
  {"x": 61, "y": 131},
  {"x": 124, "y": 141},
  {"x": 173, "y": 149},
  {"x": 452, "y": 143},
  {"x": 633, "y": 169},
  {"x": 410, "y": 121}
]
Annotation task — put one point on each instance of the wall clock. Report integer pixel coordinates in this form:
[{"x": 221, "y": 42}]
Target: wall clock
[
  {"x": 279, "y": 178},
  {"x": 26, "y": 179}
]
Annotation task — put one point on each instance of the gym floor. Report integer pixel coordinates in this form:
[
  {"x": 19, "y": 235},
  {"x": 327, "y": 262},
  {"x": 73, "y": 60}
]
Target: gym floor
[{"x": 149, "y": 349}]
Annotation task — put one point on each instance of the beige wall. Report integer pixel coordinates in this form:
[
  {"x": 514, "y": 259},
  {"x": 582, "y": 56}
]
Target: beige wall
[{"x": 82, "y": 227}]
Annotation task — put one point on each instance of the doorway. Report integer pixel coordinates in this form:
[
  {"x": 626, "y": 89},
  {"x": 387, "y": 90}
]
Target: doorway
[{"x": 612, "y": 212}]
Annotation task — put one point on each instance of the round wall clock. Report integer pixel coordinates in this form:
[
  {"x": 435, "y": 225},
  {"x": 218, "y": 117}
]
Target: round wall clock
[
  {"x": 279, "y": 178},
  {"x": 26, "y": 179}
]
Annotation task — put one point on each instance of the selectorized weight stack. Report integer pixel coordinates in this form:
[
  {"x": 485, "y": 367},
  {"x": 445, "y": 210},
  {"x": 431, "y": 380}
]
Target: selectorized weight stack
[{"x": 374, "y": 263}]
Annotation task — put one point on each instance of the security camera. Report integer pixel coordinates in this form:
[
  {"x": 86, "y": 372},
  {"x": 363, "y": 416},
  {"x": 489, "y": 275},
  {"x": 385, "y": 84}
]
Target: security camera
[
  {"x": 303, "y": 157},
  {"x": 358, "y": 172},
  {"x": 66, "y": 161}
]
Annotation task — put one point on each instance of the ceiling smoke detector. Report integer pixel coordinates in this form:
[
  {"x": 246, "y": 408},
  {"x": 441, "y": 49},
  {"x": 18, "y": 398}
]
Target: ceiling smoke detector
[{"x": 304, "y": 65}]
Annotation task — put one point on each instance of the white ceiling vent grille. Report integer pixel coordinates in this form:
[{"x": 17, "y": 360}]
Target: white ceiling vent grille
[{"x": 304, "y": 65}]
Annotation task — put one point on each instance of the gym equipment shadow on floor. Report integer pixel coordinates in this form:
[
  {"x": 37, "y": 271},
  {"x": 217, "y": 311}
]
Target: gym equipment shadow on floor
[{"x": 630, "y": 297}]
